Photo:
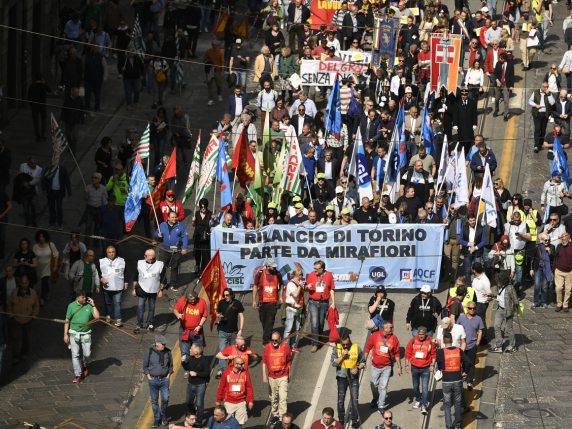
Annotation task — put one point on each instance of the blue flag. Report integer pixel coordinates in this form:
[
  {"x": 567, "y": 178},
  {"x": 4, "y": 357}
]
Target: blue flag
[
  {"x": 222, "y": 175},
  {"x": 400, "y": 130},
  {"x": 427, "y": 133},
  {"x": 364, "y": 178},
  {"x": 559, "y": 163},
  {"x": 333, "y": 112},
  {"x": 138, "y": 188}
]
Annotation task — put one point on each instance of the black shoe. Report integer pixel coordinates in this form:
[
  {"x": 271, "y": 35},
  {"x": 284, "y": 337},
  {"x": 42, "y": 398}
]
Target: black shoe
[
  {"x": 535, "y": 150},
  {"x": 495, "y": 113},
  {"x": 355, "y": 425},
  {"x": 274, "y": 420},
  {"x": 506, "y": 118},
  {"x": 465, "y": 410},
  {"x": 469, "y": 386},
  {"x": 137, "y": 330}
]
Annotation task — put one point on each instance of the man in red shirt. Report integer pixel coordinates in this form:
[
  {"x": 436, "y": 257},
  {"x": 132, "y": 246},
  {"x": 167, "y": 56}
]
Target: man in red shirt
[
  {"x": 238, "y": 350},
  {"x": 320, "y": 283},
  {"x": 235, "y": 389},
  {"x": 385, "y": 348},
  {"x": 422, "y": 355},
  {"x": 327, "y": 421},
  {"x": 276, "y": 361},
  {"x": 267, "y": 296},
  {"x": 192, "y": 312},
  {"x": 170, "y": 204}
]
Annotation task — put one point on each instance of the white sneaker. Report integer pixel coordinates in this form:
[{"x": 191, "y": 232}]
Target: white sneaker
[
  {"x": 492, "y": 100},
  {"x": 551, "y": 119},
  {"x": 120, "y": 76},
  {"x": 220, "y": 98},
  {"x": 114, "y": 55},
  {"x": 417, "y": 405},
  {"x": 423, "y": 410},
  {"x": 210, "y": 103}
]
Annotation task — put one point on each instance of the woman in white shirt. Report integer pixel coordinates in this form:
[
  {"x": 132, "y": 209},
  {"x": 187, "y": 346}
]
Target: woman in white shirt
[
  {"x": 474, "y": 80},
  {"x": 294, "y": 307}
]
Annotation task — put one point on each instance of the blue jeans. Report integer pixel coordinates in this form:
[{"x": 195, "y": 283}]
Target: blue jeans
[
  {"x": 469, "y": 260},
  {"x": 29, "y": 204},
  {"x": 569, "y": 82},
  {"x": 412, "y": 150},
  {"x": 141, "y": 310},
  {"x": 156, "y": 386},
  {"x": 132, "y": 89},
  {"x": 150, "y": 79},
  {"x": 343, "y": 385},
  {"x": 113, "y": 300},
  {"x": 378, "y": 384},
  {"x": 240, "y": 78},
  {"x": 156, "y": 28},
  {"x": 423, "y": 374},
  {"x": 158, "y": 144},
  {"x": 318, "y": 310},
  {"x": 225, "y": 339},
  {"x": 292, "y": 324},
  {"x": 55, "y": 206},
  {"x": 540, "y": 287},
  {"x": 77, "y": 341},
  {"x": 196, "y": 391},
  {"x": 186, "y": 344},
  {"x": 452, "y": 393},
  {"x": 173, "y": 72},
  {"x": 94, "y": 86},
  {"x": 492, "y": 5},
  {"x": 517, "y": 277},
  {"x": 206, "y": 10},
  {"x": 474, "y": 94},
  {"x": 414, "y": 333}
]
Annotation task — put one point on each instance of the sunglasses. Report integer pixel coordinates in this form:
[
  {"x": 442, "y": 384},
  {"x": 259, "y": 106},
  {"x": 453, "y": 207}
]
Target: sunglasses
[
  {"x": 388, "y": 418},
  {"x": 226, "y": 294},
  {"x": 472, "y": 308}
]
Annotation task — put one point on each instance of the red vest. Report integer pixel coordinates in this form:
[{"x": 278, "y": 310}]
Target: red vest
[
  {"x": 267, "y": 288},
  {"x": 235, "y": 381},
  {"x": 421, "y": 347},
  {"x": 452, "y": 360}
]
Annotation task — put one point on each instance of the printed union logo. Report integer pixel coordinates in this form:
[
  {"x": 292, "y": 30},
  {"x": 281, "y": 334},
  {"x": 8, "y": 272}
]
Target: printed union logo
[
  {"x": 406, "y": 275},
  {"x": 233, "y": 274},
  {"x": 377, "y": 274}
]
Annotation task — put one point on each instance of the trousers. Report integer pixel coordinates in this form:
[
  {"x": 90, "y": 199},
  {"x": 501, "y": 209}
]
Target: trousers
[
  {"x": 500, "y": 317},
  {"x": 563, "y": 281},
  {"x": 39, "y": 118},
  {"x": 267, "y": 316},
  {"x": 505, "y": 95}
]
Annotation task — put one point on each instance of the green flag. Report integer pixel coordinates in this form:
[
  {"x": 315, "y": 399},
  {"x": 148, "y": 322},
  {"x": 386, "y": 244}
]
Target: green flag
[
  {"x": 258, "y": 187},
  {"x": 143, "y": 146},
  {"x": 194, "y": 172},
  {"x": 60, "y": 146},
  {"x": 138, "y": 40}
]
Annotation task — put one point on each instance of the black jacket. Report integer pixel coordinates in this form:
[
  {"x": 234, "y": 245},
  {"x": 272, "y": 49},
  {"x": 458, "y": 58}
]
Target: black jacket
[
  {"x": 292, "y": 13},
  {"x": 193, "y": 15},
  {"x": 536, "y": 256},
  {"x": 74, "y": 70},
  {"x": 409, "y": 35},
  {"x": 199, "y": 365},
  {"x": 369, "y": 216},
  {"x": 134, "y": 69},
  {"x": 65, "y": 182},
  {"x": 508, "y": 73},
  {"x": 72, "y": 111},
  {"x": 335, "y": 167},
  {"x": 348, "y": 27},
  {"x": 5, "y": 164},
  {"x": 37, "y": 94},
  {"x": 414, "y": 308},
  {"x": 20, "y": 192}
]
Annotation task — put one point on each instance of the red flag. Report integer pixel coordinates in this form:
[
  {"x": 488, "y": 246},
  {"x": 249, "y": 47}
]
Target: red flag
[
  {"x": 159, "y": 191},
  {"x": 243, "y": 162},
  {"x": 214, "y": 284}
]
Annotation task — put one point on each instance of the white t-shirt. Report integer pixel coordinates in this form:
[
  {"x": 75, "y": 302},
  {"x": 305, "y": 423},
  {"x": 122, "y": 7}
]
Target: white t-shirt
[
  {"x": 10, "y": 287},
  {"x": 458, "y": 333},
  {"x": 481, "y": 285},
  {"x": 290, "y": 288}
]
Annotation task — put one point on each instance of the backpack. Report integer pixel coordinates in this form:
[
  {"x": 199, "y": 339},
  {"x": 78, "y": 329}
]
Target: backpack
[
  {"x": 446, "y": 311},
  {"x": 353, "y": 107}
]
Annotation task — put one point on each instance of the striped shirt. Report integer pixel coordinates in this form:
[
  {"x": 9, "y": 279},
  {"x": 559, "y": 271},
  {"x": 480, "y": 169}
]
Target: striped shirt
[{"x": 338, "y": 19}]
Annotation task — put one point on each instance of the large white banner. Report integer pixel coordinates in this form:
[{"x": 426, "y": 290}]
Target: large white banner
[{"x": 323, "y": 73}]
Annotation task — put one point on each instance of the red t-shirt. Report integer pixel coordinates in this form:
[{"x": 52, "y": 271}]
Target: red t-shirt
[
  {"x": 319, "y": 424},
  {"x": 321, "y": 286},
  {"x": 192, "y": 314},
  {"x": 380, "y": 354},
  {"x": 277, "y": 360},
  {"x": 234, "y": 351}
]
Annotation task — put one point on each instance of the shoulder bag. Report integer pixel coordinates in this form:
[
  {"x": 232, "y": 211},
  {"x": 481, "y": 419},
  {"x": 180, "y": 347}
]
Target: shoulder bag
[
  {"x": 390, "y": 355},
  {"x": 159, "y": 77}
]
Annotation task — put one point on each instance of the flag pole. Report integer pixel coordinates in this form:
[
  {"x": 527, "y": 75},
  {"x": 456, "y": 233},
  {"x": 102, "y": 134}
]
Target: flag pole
[
  {"x": 447, "y": 170},
  {"x": 153, "y": 204},
  {"x": 78, "y": 169}
]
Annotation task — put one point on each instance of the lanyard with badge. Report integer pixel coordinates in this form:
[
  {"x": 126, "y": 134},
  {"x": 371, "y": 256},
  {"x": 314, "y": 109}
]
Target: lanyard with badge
[
  {"x": 148, "y": 272},
  {"x": 236, "y": 386},
  {"x": 420, "y": 354}
]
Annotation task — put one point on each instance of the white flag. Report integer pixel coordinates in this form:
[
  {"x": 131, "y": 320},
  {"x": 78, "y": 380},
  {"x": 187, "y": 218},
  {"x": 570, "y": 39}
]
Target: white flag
[
  {"x": 451, "y": 172},
  {"x": 488, "y": 196},
  {"x": 461, "y": 184},
  {"x": 353, "y": 162},
  {"x": 444, "y": 163},
  {"x": 293, "y": 167}
]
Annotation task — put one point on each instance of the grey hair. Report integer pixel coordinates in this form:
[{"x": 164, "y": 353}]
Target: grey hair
[
  {"x": 177, "y": 109},
  {"x": 413, "y": 46},
  {"x": 220, "y": 408},
  {"x": 97, "y": 174},
  {"x": 328, "y": 150},
  {"x": 263, "y": 49},
  {"x": 72, "y": 49},
  {"x": 308, "y": 149},
  {"x": 198, "y": 348},
  {"x": 353, "y": 9},
  {"x": 422, "y": 213},
  {"x": 245, "y": 116}
]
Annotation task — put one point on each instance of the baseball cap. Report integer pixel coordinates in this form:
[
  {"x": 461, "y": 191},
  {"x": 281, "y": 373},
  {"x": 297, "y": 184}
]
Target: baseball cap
[
  {"x": 345, "y": 210},
  {"x": 408, "y": 90},
  {"x": 392, "y": 218},
  {"x": 299, "y": 205},
  {"x": 329, "y": 208},
  {"x": 332, "y": 49},
  {"x": 527, "y": 202},
  {"x": 380, "y": 289},
  {"x": 485, "y": 9},
  {"x": 557, "y": 174},
  {"x": 385, "y": 193},
  {"x": 506, "y": 13},
  {"x": 339, "y": 190},
  {"x": 111, "y": 197},
  {"x": 271, "y": 263},
  {"x": 321, "y": 176},
  {"x": 119, "y": 167},
  {"x": 170, "y": 192},
  {"x": 239, "y": 41},
  {"x": 445, "y": 322},
  {"x": 296, "y": 198},
  {"x": 421, "y": 329},
  {"x": 426, "y": 289}
]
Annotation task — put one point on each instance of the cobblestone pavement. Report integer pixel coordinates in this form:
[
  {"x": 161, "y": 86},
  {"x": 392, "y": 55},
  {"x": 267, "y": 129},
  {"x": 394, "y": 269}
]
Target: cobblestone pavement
[{"x": 542, "y": 335}]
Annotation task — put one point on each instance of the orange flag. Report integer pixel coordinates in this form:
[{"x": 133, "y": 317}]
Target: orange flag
[
  {"x": 221, "y": 24},
  {"x": 159, "y": 192},
  {"x": 242, "y": 30},
  {"x": 214, "y": 284},
  {"x": 243, "y": 162}
]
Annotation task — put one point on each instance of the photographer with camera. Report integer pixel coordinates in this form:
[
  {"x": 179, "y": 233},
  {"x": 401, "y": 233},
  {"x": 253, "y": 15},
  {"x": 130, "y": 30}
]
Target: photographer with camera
[{"x": 78, "y": 334}]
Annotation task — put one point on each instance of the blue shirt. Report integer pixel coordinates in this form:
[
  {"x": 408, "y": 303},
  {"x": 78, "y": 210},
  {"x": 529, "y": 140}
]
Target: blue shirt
[
  {"x": 111, "y": 220},
  {"x": 472, "y": 327},
  {"x": 155, "y": 7},
  {"x": 102, "y": 40},
  {"x": 309, "y": 166},
  {"x": 73, "y": 30},
  {"x": 295, "y": 220}
]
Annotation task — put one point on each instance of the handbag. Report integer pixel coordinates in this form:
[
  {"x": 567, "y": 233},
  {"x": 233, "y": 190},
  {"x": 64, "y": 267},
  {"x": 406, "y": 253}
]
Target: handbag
[
  {"x": 369, "y": 325},
  {"x": 566, "y": 70},
  {"x": 159, "y": 77}
]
